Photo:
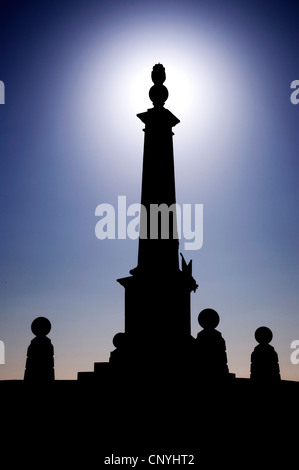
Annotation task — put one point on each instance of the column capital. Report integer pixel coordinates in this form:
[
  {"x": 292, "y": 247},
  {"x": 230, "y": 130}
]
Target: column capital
[{"x": 158, "y": 117}]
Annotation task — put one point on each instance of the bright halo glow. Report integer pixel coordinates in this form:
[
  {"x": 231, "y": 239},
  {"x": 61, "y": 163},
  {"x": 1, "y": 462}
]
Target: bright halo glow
[{"x": 206, "y": 85}]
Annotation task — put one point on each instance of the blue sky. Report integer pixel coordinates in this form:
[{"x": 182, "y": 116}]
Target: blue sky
[{"x": 76, "y": 74}]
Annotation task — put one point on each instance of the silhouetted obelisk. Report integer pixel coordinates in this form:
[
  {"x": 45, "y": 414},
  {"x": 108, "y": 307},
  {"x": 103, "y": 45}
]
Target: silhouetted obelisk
[
  {"x": 157, "y": 294},
  {"x": 158, "y": 184}
]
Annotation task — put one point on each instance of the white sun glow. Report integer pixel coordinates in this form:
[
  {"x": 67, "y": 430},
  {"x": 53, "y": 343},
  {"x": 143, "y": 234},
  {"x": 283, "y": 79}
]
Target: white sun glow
[{"x": 205, "y": 85}]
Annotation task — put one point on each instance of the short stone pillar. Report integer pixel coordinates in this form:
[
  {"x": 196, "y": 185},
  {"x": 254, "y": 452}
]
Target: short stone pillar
[
  {"x": 40, "y": 354},
  {"x": 210, "y": 348},
  {"x": 264, "y": 359}
]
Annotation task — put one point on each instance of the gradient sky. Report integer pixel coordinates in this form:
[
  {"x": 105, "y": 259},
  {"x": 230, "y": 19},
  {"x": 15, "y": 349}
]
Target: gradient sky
[{"x": 76, "y": 73}]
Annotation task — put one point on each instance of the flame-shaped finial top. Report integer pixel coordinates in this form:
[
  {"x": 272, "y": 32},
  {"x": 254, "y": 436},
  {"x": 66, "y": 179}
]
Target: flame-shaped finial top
[
  {"x": 158, "y": 92},
  {"x": 158, "y": 74}
]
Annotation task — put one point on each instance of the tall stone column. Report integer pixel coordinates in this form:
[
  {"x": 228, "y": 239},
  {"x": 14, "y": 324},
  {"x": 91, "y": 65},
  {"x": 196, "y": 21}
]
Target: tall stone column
[{"x": 157, "y": 294}]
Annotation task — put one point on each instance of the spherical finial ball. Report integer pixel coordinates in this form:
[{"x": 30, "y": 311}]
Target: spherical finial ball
[
  {"x": 41, "y": 326},
  {"x": 158, "y": 95},
  {"x": 263, "y": 335},
  {"x": 208, "y": 318},
  {"x": 119, "y": 340}
]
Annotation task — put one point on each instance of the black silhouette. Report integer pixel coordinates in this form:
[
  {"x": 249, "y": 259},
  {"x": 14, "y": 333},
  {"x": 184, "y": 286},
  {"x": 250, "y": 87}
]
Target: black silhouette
[
  {"x": 40, "y": 353},
  {"x": 152, "y": 398},
  {"x": 264, "y": 359},
  {"x": 157, "y": 294},
  {"x": 211, "y": 358},
  {"x": 118, "y": 357}
]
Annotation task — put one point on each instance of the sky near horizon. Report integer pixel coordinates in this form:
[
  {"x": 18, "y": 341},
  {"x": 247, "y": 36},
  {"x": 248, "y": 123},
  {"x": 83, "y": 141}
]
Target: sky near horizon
[{"x": 75, "y": 75}]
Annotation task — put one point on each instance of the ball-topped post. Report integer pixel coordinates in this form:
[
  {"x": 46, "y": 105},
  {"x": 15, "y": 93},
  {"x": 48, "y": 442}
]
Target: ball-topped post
[
  {"x": 264, "y": 366},
  {"x": 210, "y": 348},
  {"x": 158, "y": 92},
  {"x": 40, "y": 353}
]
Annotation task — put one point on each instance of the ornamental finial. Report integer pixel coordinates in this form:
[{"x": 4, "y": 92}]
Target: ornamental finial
[{"x": 158, "y": 92}]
